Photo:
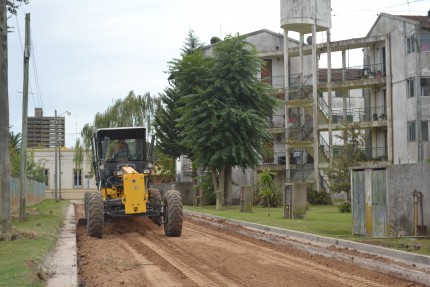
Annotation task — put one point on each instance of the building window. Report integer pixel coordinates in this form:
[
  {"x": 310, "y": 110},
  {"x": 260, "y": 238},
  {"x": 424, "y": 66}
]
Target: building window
[
  {"x": 411, "y": 132},
  {"x": 410, "y": 45},
  {"x": 425, "y": 87},
  {"x": 410, "y": 83},
  {"x": 77, "y": 177},
  {"x": 425, "y": 42},
  {"x": 338, "y": 94},
  {"x": 46, "y": 174},
  {"x": 425, "y": 131}
]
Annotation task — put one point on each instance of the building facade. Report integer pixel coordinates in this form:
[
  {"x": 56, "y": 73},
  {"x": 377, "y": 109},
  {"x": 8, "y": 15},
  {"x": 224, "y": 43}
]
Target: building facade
[
  {"x": 45, "y": 131},
  {"x": 71, "y": 176}
]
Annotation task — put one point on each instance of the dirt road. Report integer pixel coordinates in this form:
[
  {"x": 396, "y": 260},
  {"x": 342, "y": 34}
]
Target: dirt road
[{"x": 137, "y": 253}]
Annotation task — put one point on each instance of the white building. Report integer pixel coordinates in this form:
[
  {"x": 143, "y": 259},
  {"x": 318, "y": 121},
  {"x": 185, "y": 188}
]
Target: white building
[
  {"x": 388, "y": 94},
  {"x": 72, "y": 177}
]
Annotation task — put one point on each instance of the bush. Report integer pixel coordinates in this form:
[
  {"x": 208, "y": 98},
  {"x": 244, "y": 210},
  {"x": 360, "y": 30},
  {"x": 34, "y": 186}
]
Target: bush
[
  {"x": 318, "y": 198},
  {"x": 345, "y": 207},
  {"x": 270, "y": 194}
]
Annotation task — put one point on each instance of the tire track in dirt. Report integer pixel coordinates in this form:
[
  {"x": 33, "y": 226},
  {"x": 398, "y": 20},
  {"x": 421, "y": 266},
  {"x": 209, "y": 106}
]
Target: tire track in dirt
[
  {"x": 288, "y": 261},
  {"x": 201, "y": 274},
  {"x": 136, "y": 252}
]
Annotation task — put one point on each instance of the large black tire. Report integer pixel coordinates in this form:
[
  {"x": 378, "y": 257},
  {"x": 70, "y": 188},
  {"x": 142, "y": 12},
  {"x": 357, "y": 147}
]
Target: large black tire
[
  {"x": 173, "y": 215},
  {"x": 154, "y": 198},
  {"x": 95, "y": 220},
  {"x": 86, "y": 199}
]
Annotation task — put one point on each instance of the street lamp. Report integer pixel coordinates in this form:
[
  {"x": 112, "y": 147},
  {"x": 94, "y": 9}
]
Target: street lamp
[{"x": 58, "y": 172}]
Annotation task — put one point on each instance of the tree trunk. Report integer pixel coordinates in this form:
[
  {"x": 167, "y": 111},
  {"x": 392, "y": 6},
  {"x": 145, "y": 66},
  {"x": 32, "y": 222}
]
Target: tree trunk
[
  {"x": 5, "y": 218},
  {"x": 228, "y": 195},
  {"x": 219, "y": 187}
]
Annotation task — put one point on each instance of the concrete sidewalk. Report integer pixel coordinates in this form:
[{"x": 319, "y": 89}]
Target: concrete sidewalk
[{"x": 61, "y": 266}]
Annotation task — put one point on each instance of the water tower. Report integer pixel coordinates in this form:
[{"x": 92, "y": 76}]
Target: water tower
[
  {"x": 301, "y": 81},
  {"x": 301, "y": 15}
]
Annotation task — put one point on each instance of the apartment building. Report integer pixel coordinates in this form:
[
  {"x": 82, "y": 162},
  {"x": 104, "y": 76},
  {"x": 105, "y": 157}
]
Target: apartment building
[
  {"x": 388, "y": 95},
  {"x": 42, "y": 131}
]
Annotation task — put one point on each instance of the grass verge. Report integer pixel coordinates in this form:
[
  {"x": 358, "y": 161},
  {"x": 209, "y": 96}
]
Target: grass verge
[
  {"x": 23, "y": 250},
  {"x": 323, "y": 220}
]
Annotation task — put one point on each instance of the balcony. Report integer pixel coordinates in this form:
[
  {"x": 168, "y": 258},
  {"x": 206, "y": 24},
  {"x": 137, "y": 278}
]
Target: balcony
[
  {"x": 359, "y": 115},
  {"x": 366, "y": 154}
]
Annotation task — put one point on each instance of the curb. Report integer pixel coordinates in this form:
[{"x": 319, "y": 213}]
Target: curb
[
  {"x": 401, "y": 256},
  {"x": 61, "y": 263}
]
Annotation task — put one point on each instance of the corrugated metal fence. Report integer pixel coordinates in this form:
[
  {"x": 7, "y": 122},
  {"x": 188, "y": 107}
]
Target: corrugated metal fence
[{"x": 34, "y": 192}]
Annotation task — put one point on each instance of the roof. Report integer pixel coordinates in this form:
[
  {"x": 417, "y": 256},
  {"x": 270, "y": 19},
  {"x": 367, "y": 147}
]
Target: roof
[
  {"x": 122, "y": 133},
  {"x": 424, "y": 21}
]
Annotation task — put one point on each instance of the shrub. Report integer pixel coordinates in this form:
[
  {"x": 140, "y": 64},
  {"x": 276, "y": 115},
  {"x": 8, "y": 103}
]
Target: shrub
[
  {"x": 318, "y": 198},
  {"x": 270, "y": 194},
  {"x": 345, "y": 207}
]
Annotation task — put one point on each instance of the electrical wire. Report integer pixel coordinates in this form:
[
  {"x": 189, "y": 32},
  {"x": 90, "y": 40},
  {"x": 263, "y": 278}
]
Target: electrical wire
[{"x": 36, "y": 77}]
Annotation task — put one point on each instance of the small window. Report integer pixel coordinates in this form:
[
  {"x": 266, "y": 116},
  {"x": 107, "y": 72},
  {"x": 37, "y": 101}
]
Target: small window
[
  {"x": 425, "y": 131},
  {"x": 425, "y": 87},
  {"x": 410, "y": 83},
  {"x": 46, "y": 174},
  {"x": 411, "y": 132},
  {"x": 410, "y": 45},
  {"x": 77, "y": 177},
  {"x": 425, "y": 42},
  {"x": 338, "y": 94}
]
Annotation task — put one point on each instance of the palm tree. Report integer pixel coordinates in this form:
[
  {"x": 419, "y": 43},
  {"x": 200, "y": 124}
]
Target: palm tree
[{"x": 14, "y": 142}]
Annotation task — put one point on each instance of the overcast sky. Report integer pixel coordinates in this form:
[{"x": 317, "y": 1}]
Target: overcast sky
[{"x": 89, "y": 53}]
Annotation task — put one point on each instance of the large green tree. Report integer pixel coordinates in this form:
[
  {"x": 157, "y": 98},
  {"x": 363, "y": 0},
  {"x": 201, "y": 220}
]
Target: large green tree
[{"x": 224, "y": 118}]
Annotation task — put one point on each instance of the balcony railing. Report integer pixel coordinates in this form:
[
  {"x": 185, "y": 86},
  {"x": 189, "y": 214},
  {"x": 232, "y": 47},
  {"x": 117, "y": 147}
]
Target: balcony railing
[
  {"x": 337, "y": 75},
  {"x": 353, "y": 73},
  {"x": 366, "y": 154},
  {"x": 360, "y": 114}
]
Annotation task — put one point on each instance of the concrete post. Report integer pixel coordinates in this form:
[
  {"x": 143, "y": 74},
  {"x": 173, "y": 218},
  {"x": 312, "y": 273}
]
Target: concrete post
[{"x": 246, "y": 198}]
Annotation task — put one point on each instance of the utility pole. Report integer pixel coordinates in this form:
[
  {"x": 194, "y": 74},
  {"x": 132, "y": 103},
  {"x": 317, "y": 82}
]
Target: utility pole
[
  {"x": 59, "y": 170},
  {"x": 55, "y": 151},
  {"x": 5, "y": 218},
  {"x": 24, "y": 120}
]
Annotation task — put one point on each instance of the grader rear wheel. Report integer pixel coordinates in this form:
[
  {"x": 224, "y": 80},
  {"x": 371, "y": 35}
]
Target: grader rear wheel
[
  {"x": 95, "y": 220},
  {"x": 173, "y": 215},
  {"x": 86, "y": 199},
  {"x": 154, "y": 198}
]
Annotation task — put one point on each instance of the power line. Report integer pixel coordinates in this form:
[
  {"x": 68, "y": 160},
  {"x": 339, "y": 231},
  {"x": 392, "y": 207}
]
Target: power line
[
  {"x": 36, "y": 76},
  {"x": 403, "y": 3}
]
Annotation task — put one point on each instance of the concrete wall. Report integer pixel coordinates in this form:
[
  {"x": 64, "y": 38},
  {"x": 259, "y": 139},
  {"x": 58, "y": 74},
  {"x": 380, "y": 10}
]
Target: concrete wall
[
  {"x": 34, "y": 192},
  {"x": 396, "y": 217},
  {"x": 185, "y": 188},
  {"x": 402, "y": 180}
]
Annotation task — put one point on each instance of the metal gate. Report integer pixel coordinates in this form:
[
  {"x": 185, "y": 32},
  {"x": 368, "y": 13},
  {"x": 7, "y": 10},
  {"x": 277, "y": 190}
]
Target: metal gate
[
  {"x": 379, "y": 203},
  {"x": 358, "y": 203}
]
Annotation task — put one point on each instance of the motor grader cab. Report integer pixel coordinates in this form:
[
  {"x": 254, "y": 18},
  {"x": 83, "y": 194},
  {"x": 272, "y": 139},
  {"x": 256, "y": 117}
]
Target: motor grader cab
[{"x": 122, "y": 170}]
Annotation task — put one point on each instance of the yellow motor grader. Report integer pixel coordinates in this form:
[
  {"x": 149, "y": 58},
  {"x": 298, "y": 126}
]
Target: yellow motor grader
[{"x": 122, "y": 169}]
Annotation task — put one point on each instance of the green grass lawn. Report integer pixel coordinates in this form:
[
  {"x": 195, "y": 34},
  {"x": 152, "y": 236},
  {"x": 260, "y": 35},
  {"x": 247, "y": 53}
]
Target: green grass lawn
[
  {"x": 323, "y": 220},
  {"x": 22, "y": 251}
]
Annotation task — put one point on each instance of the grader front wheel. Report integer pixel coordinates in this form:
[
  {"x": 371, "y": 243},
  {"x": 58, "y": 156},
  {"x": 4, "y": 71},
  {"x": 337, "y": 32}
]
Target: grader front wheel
[
  {"x": 173, "y": 215},
  {"x": 95, "y": 220}
]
